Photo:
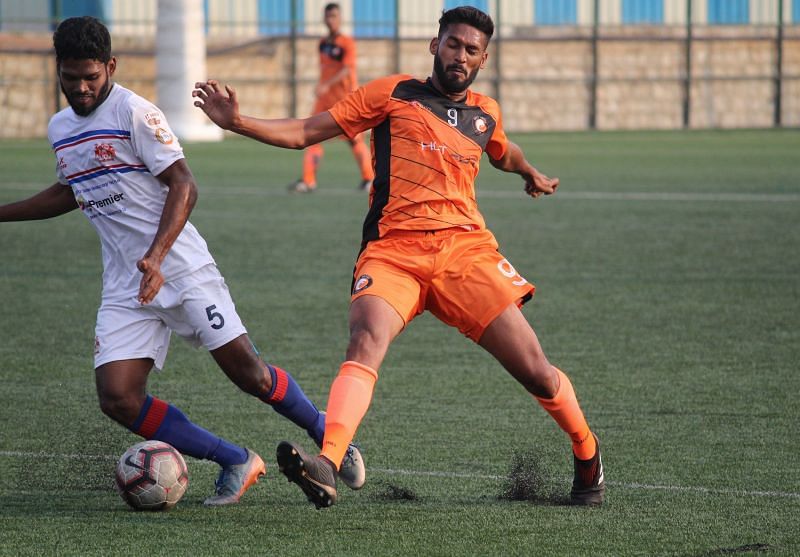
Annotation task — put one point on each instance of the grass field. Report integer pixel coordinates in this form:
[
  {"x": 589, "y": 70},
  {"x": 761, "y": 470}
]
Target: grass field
[{"x": 667, "y": 287}]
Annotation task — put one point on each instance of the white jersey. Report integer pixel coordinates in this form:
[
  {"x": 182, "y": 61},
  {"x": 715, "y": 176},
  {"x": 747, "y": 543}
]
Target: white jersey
[{"x": 110, "y": 159}]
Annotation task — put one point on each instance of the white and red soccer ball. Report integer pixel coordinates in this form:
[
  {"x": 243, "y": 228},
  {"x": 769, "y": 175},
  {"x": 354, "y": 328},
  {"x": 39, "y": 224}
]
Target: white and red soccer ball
[{"x": 152, "y": 476}]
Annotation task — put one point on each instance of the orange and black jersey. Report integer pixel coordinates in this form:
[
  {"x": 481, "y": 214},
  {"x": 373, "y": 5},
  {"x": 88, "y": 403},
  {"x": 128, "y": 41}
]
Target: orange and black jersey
[
  {"x": 335, "y": 54},
  {"x": 426, "y": 150}
]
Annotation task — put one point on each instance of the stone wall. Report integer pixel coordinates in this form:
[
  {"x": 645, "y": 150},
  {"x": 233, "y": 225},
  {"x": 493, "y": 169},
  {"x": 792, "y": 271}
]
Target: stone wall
[
  {"x": 545, "y": 81},
  {"x": 27, "y": 93}
]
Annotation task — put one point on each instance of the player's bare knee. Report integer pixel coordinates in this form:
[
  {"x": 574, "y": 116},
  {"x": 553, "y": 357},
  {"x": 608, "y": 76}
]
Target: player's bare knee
[
  {"x": 244, "y": 367},
  {"x": 254, "y": 379},
  {"x": 121, "y": 408},
  {"x": 540, "y": 379},
  {"x": 366, "y": 340}
]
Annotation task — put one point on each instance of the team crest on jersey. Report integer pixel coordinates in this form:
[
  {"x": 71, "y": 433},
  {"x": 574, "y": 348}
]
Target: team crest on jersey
[
  {"x": 333, "y": 51},
  {"x": 362, "y": 283},
  {"x": 81, "y": 201},
  {"x": 152, "y": 118},
  {"x": 104, "y": 152},
  {"x": 163, "y": 136},
  {"x": 479, "y": 125},
  {"x": 96, "y": 345}
]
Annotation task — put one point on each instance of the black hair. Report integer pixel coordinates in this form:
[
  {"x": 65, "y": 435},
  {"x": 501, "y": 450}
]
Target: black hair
[
  {"x": 82, "y": 38},
  {"x": 332, "y": 6},
  {"x": 469, "y": 15}
]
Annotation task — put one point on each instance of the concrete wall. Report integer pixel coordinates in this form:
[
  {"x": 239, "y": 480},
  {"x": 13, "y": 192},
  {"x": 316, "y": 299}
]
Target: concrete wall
[{"x": 545, "y": 78}]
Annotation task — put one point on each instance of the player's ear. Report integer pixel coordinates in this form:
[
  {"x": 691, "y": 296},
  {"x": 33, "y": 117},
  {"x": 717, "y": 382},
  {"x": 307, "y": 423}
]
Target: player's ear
[
  {"x": 434, "y": 45},
  {"x": 112, "y": 66},
  {"x": 484, "y": 57}
]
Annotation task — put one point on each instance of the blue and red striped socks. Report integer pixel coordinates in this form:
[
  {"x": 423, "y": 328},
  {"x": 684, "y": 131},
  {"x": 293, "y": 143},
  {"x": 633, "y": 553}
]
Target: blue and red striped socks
[
  {"x": 163, "y": 422},
  {"x": 289, "y": 400}
]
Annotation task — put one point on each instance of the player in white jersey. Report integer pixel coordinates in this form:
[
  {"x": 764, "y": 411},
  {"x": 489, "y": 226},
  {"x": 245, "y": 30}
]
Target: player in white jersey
[{"x": 119, "y": 162}]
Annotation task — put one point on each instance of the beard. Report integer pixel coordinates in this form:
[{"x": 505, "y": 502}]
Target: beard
[
  {"x": 85, "y": 110},
  {"x": 452, "y": 84}
]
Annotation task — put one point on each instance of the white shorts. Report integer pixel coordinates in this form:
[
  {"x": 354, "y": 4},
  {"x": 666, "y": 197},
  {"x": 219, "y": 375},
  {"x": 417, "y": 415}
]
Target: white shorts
[{"x": 198, "y": 307}]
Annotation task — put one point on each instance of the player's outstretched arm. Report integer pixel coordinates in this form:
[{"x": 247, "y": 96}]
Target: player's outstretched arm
[
  {"x": 180, "y": 201},
  {"x": 514, "y": 161},
  {"x": 222, "y": 108},
  {"x": 51, "y": 202}
]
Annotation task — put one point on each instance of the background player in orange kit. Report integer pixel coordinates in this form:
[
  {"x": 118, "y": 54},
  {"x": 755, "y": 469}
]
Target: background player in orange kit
[
  {"x": 337, "y": 78},
  {"x": 425, "y": 244}
]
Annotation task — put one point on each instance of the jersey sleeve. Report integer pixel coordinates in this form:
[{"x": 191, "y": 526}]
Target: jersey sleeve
[
  {"x": 498, "y": 143},
  {"x": 62, "y": 179},
  {"x": 364, "y": 108},
  {"x": 349, "y": 48},
  {"x": 60, "y": 176},
  {"x": 152, "y": 139}
]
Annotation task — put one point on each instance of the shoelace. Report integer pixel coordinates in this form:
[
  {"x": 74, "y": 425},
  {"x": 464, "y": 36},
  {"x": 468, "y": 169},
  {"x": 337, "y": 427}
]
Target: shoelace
[
  {"x": 348, "y": 457},
  {"x": 220, "y": 481}
]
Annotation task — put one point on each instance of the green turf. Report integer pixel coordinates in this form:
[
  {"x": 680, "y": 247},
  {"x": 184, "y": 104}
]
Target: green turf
[{"x": 667, "y": 287}]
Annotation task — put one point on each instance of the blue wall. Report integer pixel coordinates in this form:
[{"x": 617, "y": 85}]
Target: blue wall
[
  {"x": 73, "y": 8},
  {"x": 728, "y": 11},
  {"x": 642, "y": 11},
  {"x": 482, "y": 5},
  {"x": 556, "y": 12},
  {"x": 373, "y": 19},
  {"x": 275, "y": 16}
]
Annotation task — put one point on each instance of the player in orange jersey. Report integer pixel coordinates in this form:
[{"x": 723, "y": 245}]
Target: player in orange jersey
[
  {"x": 425, "y": 245},
  {"x": 337, "y": 78}
]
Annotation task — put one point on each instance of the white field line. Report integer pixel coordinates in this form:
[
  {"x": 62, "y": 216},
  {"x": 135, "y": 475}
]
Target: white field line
[
  {"x": 625, "y": 485},
  {"x": 668, "y": 196},
  {"x": 580, "y": 195},
  {"x": 268, "y": 191},
  {"x": 465, "y": 476}
]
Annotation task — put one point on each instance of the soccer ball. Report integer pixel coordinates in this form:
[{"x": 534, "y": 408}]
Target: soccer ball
[{"x": 152, "y": 476}]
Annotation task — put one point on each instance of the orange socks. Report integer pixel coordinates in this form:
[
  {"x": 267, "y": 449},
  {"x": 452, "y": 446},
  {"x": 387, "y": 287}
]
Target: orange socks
[
  {"x": 351, "y": 393},
  {"x": 311, "y": 159},
  {"x": 364, "y": 159},
  {"x": 568, "y": 415}
]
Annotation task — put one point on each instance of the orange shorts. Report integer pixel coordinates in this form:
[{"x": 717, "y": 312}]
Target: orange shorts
[{"x": 456, "y": 274}]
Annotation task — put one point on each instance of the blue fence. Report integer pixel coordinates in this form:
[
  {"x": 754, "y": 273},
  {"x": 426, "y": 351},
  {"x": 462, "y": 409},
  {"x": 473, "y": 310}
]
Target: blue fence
[
  {"x": 398, "y": 20},
  {"x": 381, "y": 18}
]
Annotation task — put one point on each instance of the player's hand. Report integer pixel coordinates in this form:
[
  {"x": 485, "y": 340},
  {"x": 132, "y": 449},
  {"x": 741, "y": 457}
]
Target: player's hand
[
  {"x": 152, "y": 279},
  {"x": 537, "y": 184},
  {"x": 321, "y": 89},
  {"x": 222, "y": 108}
]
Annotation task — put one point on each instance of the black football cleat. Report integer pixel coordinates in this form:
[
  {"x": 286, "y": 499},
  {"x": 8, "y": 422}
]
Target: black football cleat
[
  {"x": 315, "y": 475},
  {"x": 588, "y": 486}
]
